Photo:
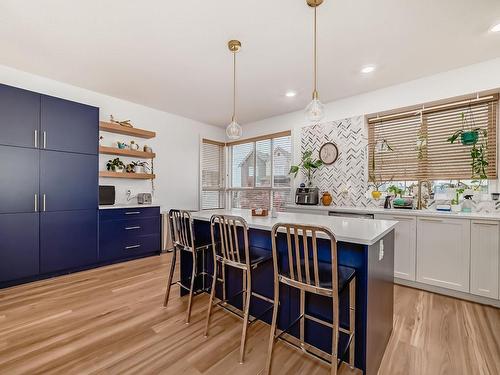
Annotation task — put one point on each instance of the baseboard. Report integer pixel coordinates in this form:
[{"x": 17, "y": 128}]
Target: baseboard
[{"x": 449, "y": 292}]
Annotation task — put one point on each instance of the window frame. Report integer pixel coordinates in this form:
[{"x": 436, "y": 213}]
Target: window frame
[{"x": 272, "y": 187}]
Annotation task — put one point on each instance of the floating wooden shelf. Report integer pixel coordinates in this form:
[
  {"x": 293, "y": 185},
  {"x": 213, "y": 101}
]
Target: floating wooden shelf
[
  {"x": 139, "y": 176},
  {"x": 126, "y": 152},
  {"x": 118, "y": 129}
]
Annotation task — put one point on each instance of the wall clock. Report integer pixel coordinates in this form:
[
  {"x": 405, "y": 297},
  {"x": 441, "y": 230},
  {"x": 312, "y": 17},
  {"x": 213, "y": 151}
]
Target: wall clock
[{"x": 328, "y": 153}]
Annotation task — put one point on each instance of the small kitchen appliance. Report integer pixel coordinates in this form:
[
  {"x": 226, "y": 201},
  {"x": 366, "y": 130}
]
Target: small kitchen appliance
[
  {"x": 307, "y": 196},
  {"x": 106, "y": 195},
  {"x": 144, "y": 198}
]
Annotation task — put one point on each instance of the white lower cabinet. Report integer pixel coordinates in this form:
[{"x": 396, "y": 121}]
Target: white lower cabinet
[
  {"x": 443, "y": 252},
  {"x": 484, "y": 258},
  {"x": 405, "y": 240}
]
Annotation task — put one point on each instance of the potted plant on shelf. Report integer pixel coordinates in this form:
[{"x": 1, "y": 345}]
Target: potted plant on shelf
[
  {"x": 140, "y": 166},
  {"x": 115, "y": 165},
  {"x": 308, "y": 165}
]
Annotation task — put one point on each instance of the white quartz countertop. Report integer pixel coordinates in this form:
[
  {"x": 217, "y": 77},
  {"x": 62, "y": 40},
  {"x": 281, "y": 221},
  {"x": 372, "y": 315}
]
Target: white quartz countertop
[
  {"x": 398, "y": 212},
  {"x": 109, "y": 207},
  {"x": 354, "y": 230}
]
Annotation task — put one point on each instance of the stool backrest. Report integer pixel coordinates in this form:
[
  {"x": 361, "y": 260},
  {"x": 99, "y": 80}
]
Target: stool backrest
[
  {"x": 232, "y": 234},
  {"x": 300, "y": 262},
  {"x": 181, "y": 228}
]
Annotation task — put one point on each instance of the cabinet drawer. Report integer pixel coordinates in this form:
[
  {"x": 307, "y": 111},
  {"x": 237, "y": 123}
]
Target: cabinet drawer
[
  {"x": 128, "y": 213},
  {"x": 130, "y": 228},
  {"x": 122, "y": 248}
]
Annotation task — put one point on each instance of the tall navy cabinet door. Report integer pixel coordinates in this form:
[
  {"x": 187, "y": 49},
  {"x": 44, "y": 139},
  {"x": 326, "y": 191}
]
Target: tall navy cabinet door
[
  {"x": 18, "y": 180},
  {"x": 68, "y": 240},
  {"x": 18, "y": 246},
  {"x": 69, "y": 126},
  {"x": 68, "y": 181},
  {"x": 19, "y": 117}
]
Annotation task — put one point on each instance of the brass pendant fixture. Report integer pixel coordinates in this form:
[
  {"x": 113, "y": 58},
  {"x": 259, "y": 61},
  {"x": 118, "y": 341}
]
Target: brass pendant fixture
[
  {"x": 233, "y": 130},
  {"x": 315, "y": 111}
]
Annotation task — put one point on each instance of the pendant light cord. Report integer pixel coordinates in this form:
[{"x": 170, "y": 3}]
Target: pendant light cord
[
  {"x": 315, "y": 92},
  {"x": 234, "y": 86}
]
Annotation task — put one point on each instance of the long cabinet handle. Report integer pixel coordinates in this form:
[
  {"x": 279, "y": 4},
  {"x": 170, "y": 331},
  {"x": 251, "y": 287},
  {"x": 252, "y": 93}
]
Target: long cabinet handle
[
  {"x": 36, "y": 202},
  {"x": 402, "y": 218},
  {"x": 36, "y": 138},
  {"x": 483, "y": 223},
  {"x": 43, "y": 203},
  {"x": 44, "y": 139},
  {"x": 133, "y": 213},
  {"x": 132, "y": 247},
  {"x": 432, "y": 220},
  {"x": 130, "y": 228}
]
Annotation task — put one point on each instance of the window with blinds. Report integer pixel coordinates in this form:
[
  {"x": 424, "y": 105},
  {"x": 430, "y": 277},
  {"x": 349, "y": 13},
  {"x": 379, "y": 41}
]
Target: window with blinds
[
  {"x": 259, "y": 171},
  {"x": 414, "y": 145},
  {"x": 212, "y": 175}
]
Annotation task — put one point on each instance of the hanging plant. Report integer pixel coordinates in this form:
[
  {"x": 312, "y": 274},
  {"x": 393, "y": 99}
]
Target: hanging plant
[
  {"x": 477, "y": 151},
  {"x": 375, "y": 181}
]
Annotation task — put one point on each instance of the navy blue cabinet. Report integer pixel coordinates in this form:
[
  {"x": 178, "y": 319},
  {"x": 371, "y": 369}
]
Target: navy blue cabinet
[
  {"x": 68, "y": 240},
  {"x": 48, "y": 185},
  {"x": 129, "y": 233},
  {"x": 69, "y": 126},
  {"x": 68, "y": 181},
  {"x": 19, "y": 117},
  {"x": 19, "y": 179},
  {"x": 18, "y": 246}
]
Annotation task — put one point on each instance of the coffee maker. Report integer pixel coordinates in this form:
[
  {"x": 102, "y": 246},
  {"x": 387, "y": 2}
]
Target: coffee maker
[{"x": 307, "y": 196}]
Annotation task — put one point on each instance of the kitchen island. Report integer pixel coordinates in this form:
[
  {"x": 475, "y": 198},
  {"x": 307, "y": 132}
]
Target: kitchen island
[{"x": 366, "y": 245}]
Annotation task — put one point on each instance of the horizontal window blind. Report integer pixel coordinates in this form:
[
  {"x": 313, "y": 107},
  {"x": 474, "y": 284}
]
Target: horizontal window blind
[
  {"x": 212, "y": 175},
  {"x": 414, "y": 145}
]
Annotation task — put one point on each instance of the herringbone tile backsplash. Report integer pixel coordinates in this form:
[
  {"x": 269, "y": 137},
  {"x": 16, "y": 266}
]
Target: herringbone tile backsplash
[{"x": 347, "y": 178}]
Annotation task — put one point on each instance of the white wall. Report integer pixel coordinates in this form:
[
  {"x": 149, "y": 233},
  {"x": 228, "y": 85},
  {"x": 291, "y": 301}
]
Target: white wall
[
  {"x": 466, "y": 80},
  {"x": 176, "y": 144}
]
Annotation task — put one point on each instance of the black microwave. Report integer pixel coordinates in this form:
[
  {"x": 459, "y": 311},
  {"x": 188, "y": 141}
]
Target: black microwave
[{"x": 106, "y": 195}]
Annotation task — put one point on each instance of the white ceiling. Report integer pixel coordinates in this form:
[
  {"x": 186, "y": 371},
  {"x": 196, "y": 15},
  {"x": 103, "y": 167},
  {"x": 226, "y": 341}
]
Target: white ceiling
[{"x": 172, "y": 55}]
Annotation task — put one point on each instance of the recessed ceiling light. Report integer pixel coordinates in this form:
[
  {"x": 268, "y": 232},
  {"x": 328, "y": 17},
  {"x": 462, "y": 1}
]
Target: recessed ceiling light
[
  {"x": 290, "y": 94},
  {"x": 495, "y": 28},
  {"x": 368, "y": 69}
]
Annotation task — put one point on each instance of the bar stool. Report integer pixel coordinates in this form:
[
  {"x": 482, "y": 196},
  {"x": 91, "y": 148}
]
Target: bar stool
[
  {"x": 231, "y": 234},
  {"x": 182, "y": 232},
  {"x": 300, "y": 269}
]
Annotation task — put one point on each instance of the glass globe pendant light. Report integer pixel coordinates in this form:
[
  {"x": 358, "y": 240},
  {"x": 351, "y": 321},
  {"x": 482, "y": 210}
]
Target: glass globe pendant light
[
  {"x": 233, "y": 130},
  {"x": 315, "y": 111}
]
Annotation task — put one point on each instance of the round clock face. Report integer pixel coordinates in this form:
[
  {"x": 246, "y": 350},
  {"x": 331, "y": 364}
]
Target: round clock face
[{"x": 328, "y": 153}]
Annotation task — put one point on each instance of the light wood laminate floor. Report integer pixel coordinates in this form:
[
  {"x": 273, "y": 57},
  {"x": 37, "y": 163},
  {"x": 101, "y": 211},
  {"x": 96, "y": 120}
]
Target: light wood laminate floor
[{"x": 111, "y": 321}]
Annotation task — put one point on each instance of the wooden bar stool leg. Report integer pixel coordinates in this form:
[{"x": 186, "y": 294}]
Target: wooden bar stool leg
[
  {"x": 246, "y": 306},
  {"x": 170, "y": 276},
  {"x": 352, "y": 319},
  {"x": 272, "y": 335},
  {"x": 193, "y": 276},
  {"x": 212, "y": 295}
]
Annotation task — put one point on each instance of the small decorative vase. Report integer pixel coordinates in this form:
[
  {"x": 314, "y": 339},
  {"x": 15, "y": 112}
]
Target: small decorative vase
[
  {"x": 376, "y": 194},
  {"x": 326, "y": 199},
  {"x": 121, "y": 145},
  {"x": 147, "y": 149},
  {"x": 119, "y": 170}
]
